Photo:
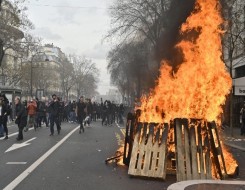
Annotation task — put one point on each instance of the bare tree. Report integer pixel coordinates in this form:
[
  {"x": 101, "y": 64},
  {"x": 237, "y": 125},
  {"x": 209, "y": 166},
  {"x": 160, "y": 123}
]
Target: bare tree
[
  {"x": 129, "y": 69},
  {"x": 90, "y": 85},
  {"x": 233, "y": 43},
  {"x": 132, "y": 17},
  {"x": 67, "y": 76},
  {"x": 83, "y": 69},
  {"x": 13, "y": 23}
]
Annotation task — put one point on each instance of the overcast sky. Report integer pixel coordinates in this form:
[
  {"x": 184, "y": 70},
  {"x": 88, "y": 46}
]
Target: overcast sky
[{"x": 76, "y": 26}]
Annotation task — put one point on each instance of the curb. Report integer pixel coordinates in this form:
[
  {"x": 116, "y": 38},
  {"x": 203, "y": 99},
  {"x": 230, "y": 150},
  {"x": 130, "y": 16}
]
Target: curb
[{"x": 183, "y": 184}]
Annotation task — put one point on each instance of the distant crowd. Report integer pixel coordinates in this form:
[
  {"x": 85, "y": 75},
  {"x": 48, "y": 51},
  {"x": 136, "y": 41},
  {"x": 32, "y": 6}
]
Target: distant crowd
[{"x": 35, "y": 113}]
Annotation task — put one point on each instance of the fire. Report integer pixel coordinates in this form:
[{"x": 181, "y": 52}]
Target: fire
[
  {"x": 201, "y": 83},
  {"x": 199, "y": 87}
]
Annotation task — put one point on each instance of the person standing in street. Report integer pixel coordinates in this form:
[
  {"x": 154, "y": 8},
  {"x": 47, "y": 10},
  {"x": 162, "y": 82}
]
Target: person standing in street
[
  {"x": 6, "y": 114},
  {"x": 242, "y": 112},
  {"x": 31, "y": 112},
  {"x": 54, "y": 115},
  {"x": 21, "y": 117},
  {"x": 42, "y": 113},
  {"x": 81, "y": 113},
  {"x": 3, "y": 114}
]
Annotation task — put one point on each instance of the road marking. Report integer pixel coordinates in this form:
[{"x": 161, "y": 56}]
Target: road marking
[
  {"x": 16, "y": 163},
  {"x": 30, "y": 169},
  {"x": 20, "y": 145},
  {"x": 119, "y": 126},
  {"x": 13, "y": 134}
]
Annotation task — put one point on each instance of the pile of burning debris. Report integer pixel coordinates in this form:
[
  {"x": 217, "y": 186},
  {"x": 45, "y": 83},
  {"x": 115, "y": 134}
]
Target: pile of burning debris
[
  {"x": 191, "y": 149},
  {"x": 162, "y": 137}
]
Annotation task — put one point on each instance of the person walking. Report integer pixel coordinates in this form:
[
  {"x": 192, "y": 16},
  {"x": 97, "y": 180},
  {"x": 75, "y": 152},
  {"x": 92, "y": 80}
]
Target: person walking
[
  {"x": 81, "y": 113},
  {"x": 89, "y": 111},
  {"x": 42, "y": 113},
  {"x": 72, "y": 112},
  {"x": 31, "y": 112},
  {"x": 54, "y": 115},
  {"x": 3, "y": 114},
  {"x": 21, "y": 117},
  {"x": 6, "y": 105}
]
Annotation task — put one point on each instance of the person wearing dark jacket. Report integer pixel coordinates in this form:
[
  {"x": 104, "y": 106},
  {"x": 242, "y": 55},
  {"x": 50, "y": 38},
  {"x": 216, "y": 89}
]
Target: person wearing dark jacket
[
  {"x": 81, "y": 113},
  {"x": 42, "y": 108},
  {"x": 7, "y": 113},
  {"x": 54, "y": 114},
  {"x": 21, "y": 117},
  {"x": 3, "y": 114}
]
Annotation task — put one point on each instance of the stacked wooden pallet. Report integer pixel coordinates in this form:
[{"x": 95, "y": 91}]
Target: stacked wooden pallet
[
  {"x": 148, "y": 157},
  {"x": 198, "y": 151}
]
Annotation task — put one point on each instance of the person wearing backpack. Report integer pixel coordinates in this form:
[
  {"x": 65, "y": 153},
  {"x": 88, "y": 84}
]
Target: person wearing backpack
[{"x": 242, "y": 112}]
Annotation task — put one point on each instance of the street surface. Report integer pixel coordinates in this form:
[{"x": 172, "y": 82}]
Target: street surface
[
  {"x": 73, "y": 161},
  {"x": 67, "y": 161}
]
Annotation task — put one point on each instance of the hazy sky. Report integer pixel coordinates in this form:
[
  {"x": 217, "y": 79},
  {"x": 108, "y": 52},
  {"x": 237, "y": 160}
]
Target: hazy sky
[{"x": 76, "y": 26}]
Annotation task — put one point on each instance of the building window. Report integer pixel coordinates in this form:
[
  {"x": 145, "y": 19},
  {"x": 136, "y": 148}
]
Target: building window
[{"x": 240, "y": 71}]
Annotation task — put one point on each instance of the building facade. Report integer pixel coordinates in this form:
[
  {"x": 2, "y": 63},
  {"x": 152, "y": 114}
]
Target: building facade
[{"x": 10, "y": 33}]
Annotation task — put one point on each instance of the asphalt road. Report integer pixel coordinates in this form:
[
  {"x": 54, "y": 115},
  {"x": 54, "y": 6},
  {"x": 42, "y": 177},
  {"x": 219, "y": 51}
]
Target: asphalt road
[
  {"x": 67, "y": 161},
  {"x": 73, "y": 161}
]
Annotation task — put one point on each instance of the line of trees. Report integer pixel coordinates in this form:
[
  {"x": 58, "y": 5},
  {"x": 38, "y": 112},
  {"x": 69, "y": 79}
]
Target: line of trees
[
  {"x": 146, "y": 32},
  {"x": 234, "y": 49}
]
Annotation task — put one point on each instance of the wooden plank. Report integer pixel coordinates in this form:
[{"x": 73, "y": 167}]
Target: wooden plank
[
  {"x": 134, "y": 156},
  {"x": 195, "y": 174},
  {"x": 161, "y": 169},
  {"x": 140, "y": 164},
  {"x": 180, "y": 164},
  {"x": 187, "y": 152},
  {"x": 200, "y": 152},
  {"x": 135, "y": 151},
  {"x": 208, "y": 159},
  {"x": 224, "y": 172},
  {"x": 150, "y": 160},
  {"x": 148, "y": 153},
  {"x": 164, "y": 147},
  {"x": 141, "y": 150},
  {"x": 126, "y": 151},
  {"x": 215, "y": 159}
]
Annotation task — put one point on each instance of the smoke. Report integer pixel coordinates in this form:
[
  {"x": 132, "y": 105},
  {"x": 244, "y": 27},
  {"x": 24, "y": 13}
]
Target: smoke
[{"x": 176, "y": 15}]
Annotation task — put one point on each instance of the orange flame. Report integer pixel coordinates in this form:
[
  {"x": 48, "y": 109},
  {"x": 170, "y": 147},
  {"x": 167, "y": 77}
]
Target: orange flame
[{"x": 199, "y": 87}]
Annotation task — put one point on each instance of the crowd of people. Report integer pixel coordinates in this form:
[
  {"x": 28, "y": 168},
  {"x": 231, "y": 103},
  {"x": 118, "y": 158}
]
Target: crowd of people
[{"x": 35, "y": 113}]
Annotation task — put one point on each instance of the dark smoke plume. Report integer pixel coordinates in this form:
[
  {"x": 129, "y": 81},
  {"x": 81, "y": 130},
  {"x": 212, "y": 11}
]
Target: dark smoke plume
[{"x": 177, "y": 14}]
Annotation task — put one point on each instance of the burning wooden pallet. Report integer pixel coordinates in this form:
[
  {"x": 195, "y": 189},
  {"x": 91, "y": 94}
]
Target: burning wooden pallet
[
  {"x": 149, "y": 151},
  {"x": 197, "y": 150}
]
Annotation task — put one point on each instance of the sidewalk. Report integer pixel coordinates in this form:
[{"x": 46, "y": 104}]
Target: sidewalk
[{"x": 236, "y": 140}]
